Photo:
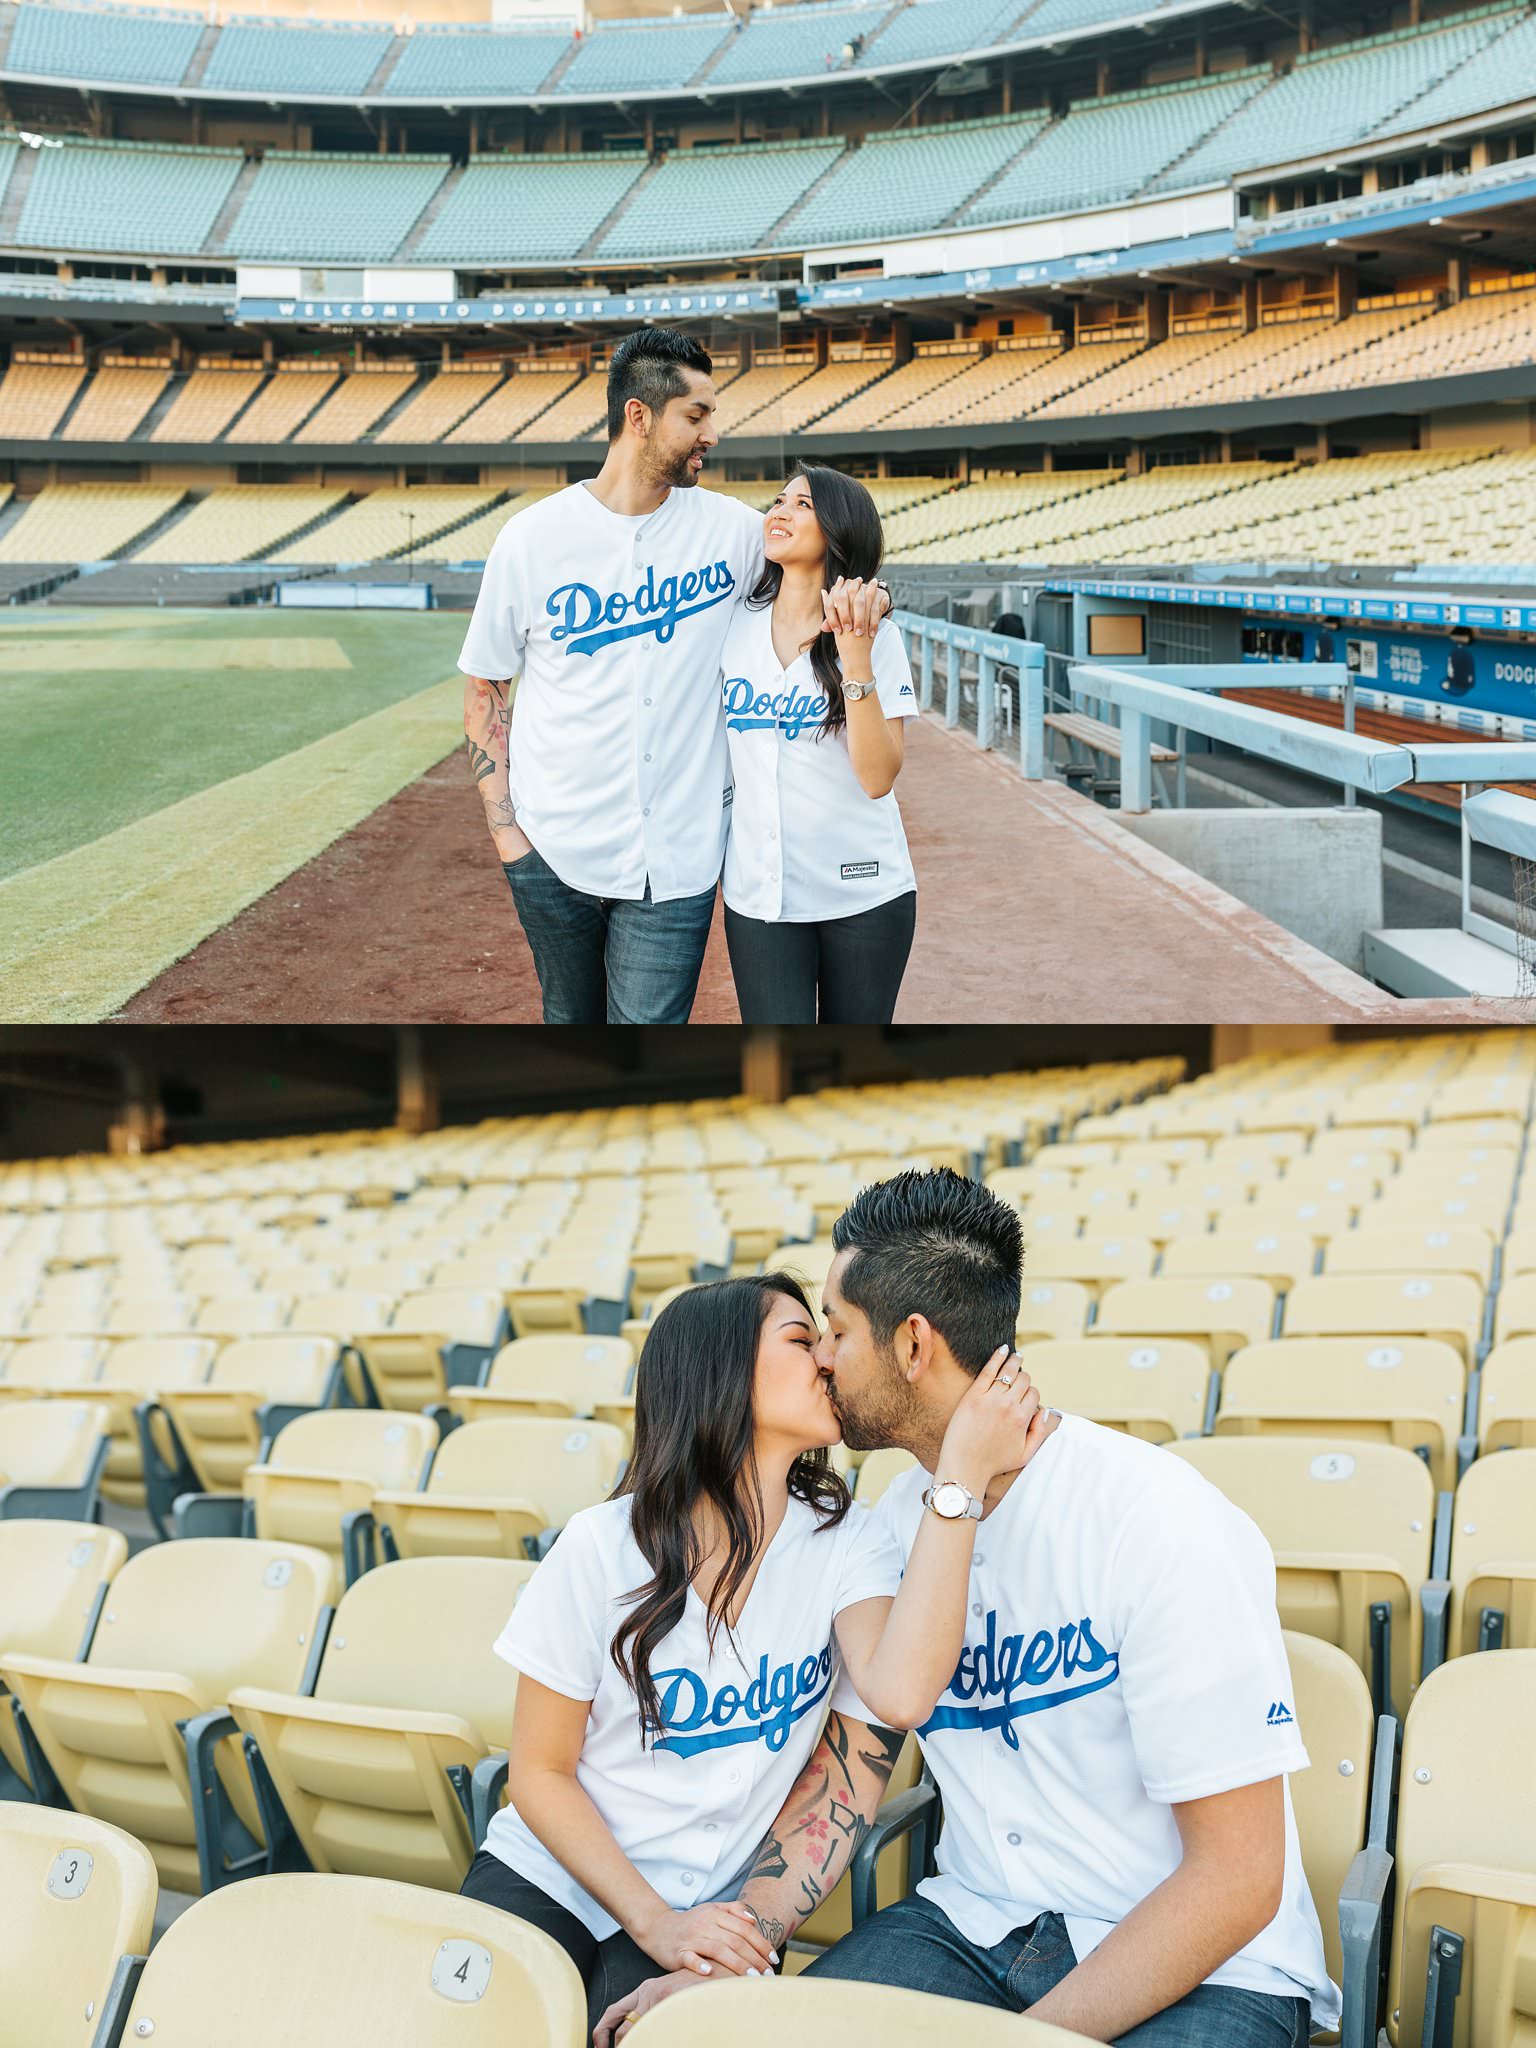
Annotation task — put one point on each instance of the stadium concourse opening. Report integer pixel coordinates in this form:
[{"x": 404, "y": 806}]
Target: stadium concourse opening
[{"x": 314, "y": 1344}]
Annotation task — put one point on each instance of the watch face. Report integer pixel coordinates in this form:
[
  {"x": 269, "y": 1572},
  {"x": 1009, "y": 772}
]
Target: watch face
[{"x": 949, "y": 1500}]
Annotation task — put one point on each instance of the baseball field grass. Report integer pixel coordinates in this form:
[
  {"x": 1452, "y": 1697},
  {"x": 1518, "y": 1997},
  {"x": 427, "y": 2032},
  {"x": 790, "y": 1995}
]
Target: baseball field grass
[{"x": 162, "y": 769}]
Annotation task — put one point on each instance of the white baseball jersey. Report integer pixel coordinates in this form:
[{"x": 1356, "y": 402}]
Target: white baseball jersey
[
  {"x": 806, "y": 842},
  {"x": 691, "y": 1809},
  {"x": 1122, "y": 1654},
  {"x": 614, "y": 626}
]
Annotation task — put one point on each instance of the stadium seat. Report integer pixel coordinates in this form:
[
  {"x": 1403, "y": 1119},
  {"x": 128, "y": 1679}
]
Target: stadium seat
[
  {"x": 1493, "y": 1555},
  {"x": 202, "y": 1437},
  {"x": 310, "y": 1956},
  {"x": 40, "y": 1365},
  {"x": 1280, "y": 1257},
  {"x": 1352, "y": 1529},
  {"x": 498, "y": 1489},
  {"x": 552, "y": 1375},
  {"x": 434, "y": 1339},
  {"x": 753, "y": 2012},
  {"x": 1052, "y": 1308},
  {"x": 1465, "y": 1914},
  {"x": 1156, "y": 1389},
  {"x": 53, "y": 1576},
  {"x": 373, "y": 1769},
  {"x": 79, "y": 1898},
  {"x": 1092, "y": 1262},
  {"x": 1410, "y": 1391},
  {"x": 1507, "y": 1397},
  {"x": 1364, "y": 1250},
  {"x": 52, "y": 1457},
  {"x": 1333, "y": 1712},
  {"x": 1220, "y": 1314},
  {"x": 876, "y": 1471},
  {"x": 1514, "y": 1312},
  {"x": 572, "y": 1291},
  {"x": 1444, "y": 1305},
  {"x": 184, "y": 1623},
  {"x": 320, "y": 1468}
]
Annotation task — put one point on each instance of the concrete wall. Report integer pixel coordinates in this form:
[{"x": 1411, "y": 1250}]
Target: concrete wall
[{"x": 1315, "y": 873}]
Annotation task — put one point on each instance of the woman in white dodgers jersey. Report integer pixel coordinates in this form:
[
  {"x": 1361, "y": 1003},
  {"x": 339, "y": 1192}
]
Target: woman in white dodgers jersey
[
  {"x": 820, "y": 897},
  {"x": 678, "y": 1645}
]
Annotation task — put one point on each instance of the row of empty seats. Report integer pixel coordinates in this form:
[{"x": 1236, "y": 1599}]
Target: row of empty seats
[{"x": 316, "y": 205}]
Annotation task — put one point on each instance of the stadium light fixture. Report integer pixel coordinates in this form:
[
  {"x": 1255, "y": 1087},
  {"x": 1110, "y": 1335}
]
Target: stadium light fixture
[
  {"x": 1332, "y": 242},
  {"x": 1437, "y": 220}
]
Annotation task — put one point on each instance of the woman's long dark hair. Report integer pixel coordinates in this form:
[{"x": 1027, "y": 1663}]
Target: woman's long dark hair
[
  {"x": 693, "y": 1441},
  {"x": 850, "y": 522}
]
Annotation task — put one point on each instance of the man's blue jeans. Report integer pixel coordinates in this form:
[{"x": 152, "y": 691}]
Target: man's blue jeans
[
  {"x": 601, "y": 960},
  {"x": 916, "y": 1945}
]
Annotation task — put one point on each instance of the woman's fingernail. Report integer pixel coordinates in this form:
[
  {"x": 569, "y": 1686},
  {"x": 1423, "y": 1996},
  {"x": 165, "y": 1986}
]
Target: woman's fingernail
[{"x": 773, "y": 1955}]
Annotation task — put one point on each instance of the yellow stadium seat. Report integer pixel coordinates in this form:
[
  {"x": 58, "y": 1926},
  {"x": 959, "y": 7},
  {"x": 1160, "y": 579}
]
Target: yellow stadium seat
[
  {"x": 1493, "y": 1555},
  {"x": 1507, "y": 1400},
  {"x": 559, "y": 1374},
  {"x": 571, "y": 1290},
  {"x": 1352, "y": 1529},
  {"x": 1221, "y": 1314},
  {"x": 1444, "y": 1305},
  {"x": 253, "y": 1387},
  {"x": 497, "y": 1488},
  {"x": 1330, "y": 1801},
  {"x": 1278, "y": 1214},
  {"x": 1159, "y": 1219},
  {"x": 764, "y": 2012},
  {"x": 149, "y": 1315},
  {"x": 1280, "y": 1257},
  {"x": 53, "y": 1576},
  {"x": 1092, "y": 1262},
  {"x": 184, "y": 1623},
  {"x": 325, "y": 1467},
  {"x": 408, "y": 1364},
  {"x": 79, "y": 1898},
  {"x": 1466, "y": 1857},
  {"x": 409, "y": 1690},
  {"x": 1052, "y": 1308},
  {"x": 341, "y": 1313},
  {"x": 241, "y": 1315},
  {"x": 1153, "y": 1388},
  {"x": 52, "y": 1457},
  {"x": 136, "y": 1370},
  {"x": 315, "y": 1957},
  {"x": 1365, "y": 1250},
  {"x": 45, "y": 1364},
  {"x": 876, "y": 1471},
  {"x": 1514, "y": 1312},
  {"x": 1410, "y": 1391}
]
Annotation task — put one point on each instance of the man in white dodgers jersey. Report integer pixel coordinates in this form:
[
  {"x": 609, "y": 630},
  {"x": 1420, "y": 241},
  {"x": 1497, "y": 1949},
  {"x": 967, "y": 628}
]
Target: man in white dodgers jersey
[
  {"x": 1119, "y": 1855},
  {"x": 604, "y": 777}
]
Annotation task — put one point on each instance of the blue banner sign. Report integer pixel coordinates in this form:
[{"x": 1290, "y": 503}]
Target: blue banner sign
[{"x": 532, "y": 309}]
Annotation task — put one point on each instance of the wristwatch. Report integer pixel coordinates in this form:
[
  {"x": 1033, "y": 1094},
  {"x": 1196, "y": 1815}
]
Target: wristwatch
[
  {"x": 856, "y": 692},
  {"x": 951, "y": 1501}
]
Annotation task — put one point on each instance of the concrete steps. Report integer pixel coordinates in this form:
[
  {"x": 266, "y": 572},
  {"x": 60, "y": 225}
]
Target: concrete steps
[
  {"x": 434, "y": 206},
  {"x": 15, "y": 195},
  {"x": 229, "y": 212},
  {"x": 384, "y": 67},
  {"x": 616, "y": 213},
  {"x": 163, "y": 524},
  {"x": 193, "y": 75},
  {"x": 775, "y": 234}
]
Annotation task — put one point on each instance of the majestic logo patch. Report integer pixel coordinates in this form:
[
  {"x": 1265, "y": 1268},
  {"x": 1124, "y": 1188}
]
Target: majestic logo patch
[
  {"x": 696, "y": 1719},
  {"x": 859, "y": 870},
  {"x": 588, "y": 620},
  {"x": 792, "y": 711},
  {"x": 993, "y": 1670},
  {"x": 1279, "y": 1716}
]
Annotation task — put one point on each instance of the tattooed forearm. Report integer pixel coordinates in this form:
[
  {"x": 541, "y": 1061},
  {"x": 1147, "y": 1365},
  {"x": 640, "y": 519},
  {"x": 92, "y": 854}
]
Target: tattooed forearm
[
  {"x": 487, "y": 735},
  {"x": 827, "y": 1816}
]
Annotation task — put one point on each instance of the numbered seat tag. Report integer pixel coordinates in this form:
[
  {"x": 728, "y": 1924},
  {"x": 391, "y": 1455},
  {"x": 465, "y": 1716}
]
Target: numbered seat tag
[
  {"x": 71, "y": 1873},
  {"x": 577, "y": 1440},
  {"x": 1332, "y": 1465},
  {"x": 461, "y": 1970}
]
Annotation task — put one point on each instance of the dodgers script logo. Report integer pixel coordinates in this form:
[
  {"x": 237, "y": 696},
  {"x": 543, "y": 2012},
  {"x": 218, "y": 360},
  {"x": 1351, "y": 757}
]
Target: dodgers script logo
[
  {"x": 695, "y": 1719},
  {"x": 793, "y": 710},
  {"x": 990, "y": 1669},
  {"x": 587, "y": 620}
]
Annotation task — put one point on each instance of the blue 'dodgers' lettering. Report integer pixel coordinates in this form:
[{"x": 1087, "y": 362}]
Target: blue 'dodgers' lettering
[
  {"x": 586, "y": 619},
  {"x": 990, "y": 1670},
  {"x": 696, "y": 1719},
  {"x": 795, "y": 711}
]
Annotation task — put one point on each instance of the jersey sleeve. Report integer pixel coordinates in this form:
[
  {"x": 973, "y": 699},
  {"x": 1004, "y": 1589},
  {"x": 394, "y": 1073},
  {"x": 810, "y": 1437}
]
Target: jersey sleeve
[
  {"x": 893, "y": 672},
  {"x": 555, "y": 1633},
  {"x": 493, "y": 646},
  {"x": 1203, "y": 1670}
]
